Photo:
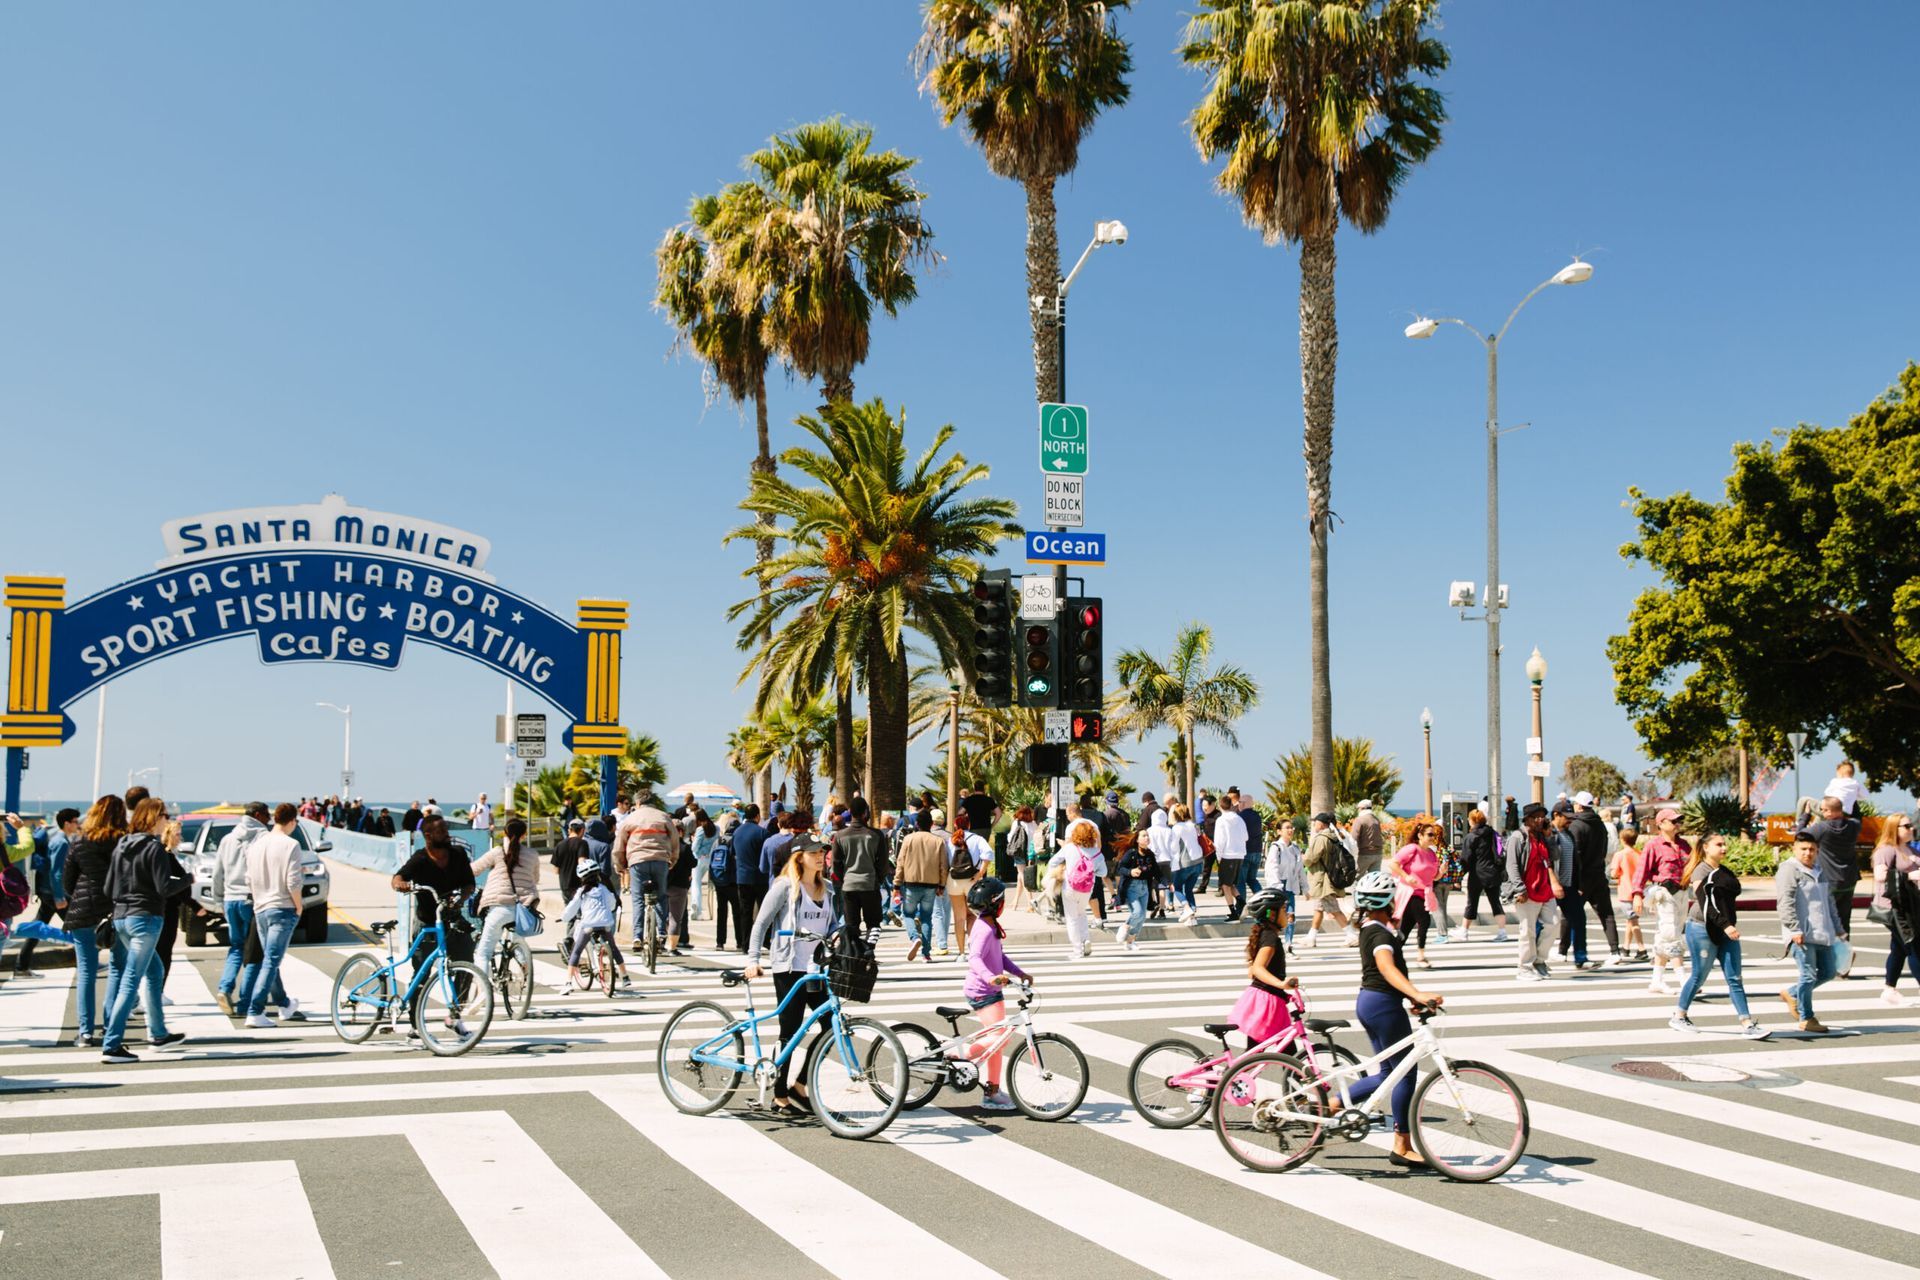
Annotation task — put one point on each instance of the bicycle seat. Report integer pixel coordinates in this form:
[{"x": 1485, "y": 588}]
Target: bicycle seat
[
  {"x": 732, "y": 977},
  {"x": 1218, "y": 1029},
  {"x": 952, "y": 1011},
  {"x": 1322, "y": 1026},
  {"x": 383, "y": 928}
]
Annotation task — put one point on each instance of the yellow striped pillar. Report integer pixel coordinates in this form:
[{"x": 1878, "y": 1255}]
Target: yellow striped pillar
[
  {"x": 29, "y": 720},
  {"x": 601, "y": 733}
]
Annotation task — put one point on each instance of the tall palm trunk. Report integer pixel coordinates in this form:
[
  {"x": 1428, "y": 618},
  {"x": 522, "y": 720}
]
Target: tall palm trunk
[
  {"x": 802, "y": 783},
  {"x": 1186, "y": 751},
  {"x": 837, "y": 387},
  {"x": 1319, "y": 347},
  {"x": 886, "y": 725},
  {"x": 1043, "y": 278},
  {"x": 761, "y": 789},
  {"x": 844, "y": 782}
]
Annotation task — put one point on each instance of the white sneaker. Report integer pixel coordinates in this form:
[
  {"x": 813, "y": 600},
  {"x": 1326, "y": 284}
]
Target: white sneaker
[
  {"x": 1891, "y": 996},
  {"x": 1500, "y": 936},
  {"x": 1681, "y": 1022},
  {"x": 260, "y": 1020},
  {"x": 1353, "y": 937},
  {"x": 289, "y": 1009},
  {"x": 996, "y": 1100},
  {"x": 1086, "y": 949},
  {"x": 1659, "y": 988},
  {"x": 1528, "y": 975},
  {"x": 167, "y": 1001},
  {"x": 1311, "y": 941},
  {"x": 1614, "y": 961},
  {"x": 1754, "y": 1031},
  {"x": 1132, "y": 945}
]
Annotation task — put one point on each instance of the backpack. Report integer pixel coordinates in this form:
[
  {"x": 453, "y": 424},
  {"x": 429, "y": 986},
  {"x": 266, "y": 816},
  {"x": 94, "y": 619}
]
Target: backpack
[
  {"x": 1080, "y": 874},
  {"x": 1341, "y": 868},
  {"x": 961, "y": 867},
  {"x": 14, "y": 891}
]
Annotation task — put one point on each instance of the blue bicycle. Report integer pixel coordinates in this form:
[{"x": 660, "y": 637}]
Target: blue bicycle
[
  {"x": 855, "y": 1070},
  {"x": 449, "y": 1002}
]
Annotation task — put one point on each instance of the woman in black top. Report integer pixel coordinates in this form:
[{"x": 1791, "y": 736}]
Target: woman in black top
[
  {"x": 1713, "y": 933},
  {"x": 89, "y": 903},
  {"x": 1379, "y": 1005},
  {"x": 436, "y": 870}
]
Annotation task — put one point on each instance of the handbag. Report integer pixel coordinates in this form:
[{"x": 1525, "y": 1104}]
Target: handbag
[{"x": 527, "y": 921}]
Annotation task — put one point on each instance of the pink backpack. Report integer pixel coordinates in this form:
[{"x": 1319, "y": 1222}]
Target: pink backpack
[{"x": 1080, "y": 874}]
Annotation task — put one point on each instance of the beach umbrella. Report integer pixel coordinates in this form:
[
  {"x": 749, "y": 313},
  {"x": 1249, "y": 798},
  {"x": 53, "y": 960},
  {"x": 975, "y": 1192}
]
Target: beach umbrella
[{"x": 704, "y": 793}]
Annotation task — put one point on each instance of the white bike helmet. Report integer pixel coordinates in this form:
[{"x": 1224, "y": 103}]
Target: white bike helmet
[{"x": 1374, "y": 891}]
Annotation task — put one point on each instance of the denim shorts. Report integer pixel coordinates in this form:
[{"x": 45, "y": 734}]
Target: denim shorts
[{"x": 995, "y": 998}]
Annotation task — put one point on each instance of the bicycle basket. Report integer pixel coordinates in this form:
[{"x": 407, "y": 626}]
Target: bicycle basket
[{"x": 852, "y": 976}]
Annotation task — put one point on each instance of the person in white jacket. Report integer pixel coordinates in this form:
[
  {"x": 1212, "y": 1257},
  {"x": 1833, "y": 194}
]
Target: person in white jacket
[
  {"x": 276, "y": 882},
  {"x": 1158, "y": 838},
  {"x": 1287, "y": 872},
  {"x": 1188, "y": 860}
]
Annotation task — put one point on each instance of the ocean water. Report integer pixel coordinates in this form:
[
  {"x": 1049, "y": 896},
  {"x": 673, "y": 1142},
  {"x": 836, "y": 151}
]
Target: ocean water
[{"x": 47, "y": 808}]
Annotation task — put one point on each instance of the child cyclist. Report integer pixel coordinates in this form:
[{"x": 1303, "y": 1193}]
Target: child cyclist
[
  {"x": 593, "y": 906},
  {"x": 988, "y": 970},
  {"x": 1262, "y": 1011}
]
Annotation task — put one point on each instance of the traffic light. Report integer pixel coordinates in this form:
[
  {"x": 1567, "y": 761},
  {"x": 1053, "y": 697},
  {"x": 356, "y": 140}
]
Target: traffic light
[
  {"x": 1048, "y": 760},
  {"x": 1038, "y": 668},
  {"x": 1088, "y": 726},
  {"x": 992, "y": 658},
  {"x": 1085, "y": 676}
]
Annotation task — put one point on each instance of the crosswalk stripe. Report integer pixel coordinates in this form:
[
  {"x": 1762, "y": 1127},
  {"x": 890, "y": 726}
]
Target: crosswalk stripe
[
  {"x": 1157, "y": 1238},
  {"x": 273, "y": 1218},
  {"x": 802, "y": 1203},
  {"x": 34, "y": 1011}
]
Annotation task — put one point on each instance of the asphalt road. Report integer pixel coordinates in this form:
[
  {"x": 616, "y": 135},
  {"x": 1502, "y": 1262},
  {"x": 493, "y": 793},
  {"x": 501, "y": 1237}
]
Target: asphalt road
[{"x": 549, "y": 1150}]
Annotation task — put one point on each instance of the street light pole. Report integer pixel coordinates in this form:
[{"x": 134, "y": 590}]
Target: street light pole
[
  {"x": 1796, "y": 740},
  {"x": 346, "y": 749},
  {"x": 1537, "y": 673},
  {"x": 1426, "y": 731},
  {"x": 1575, "y": 272}
]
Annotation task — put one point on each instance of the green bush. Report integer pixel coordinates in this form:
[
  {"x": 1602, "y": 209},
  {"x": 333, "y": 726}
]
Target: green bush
[
  {"x": 1750, "y": 857},
  {"x": 1716, "y": 811}
]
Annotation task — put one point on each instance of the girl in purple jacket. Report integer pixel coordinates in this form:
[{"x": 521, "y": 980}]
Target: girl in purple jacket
[{"x": 989, "y": 970}]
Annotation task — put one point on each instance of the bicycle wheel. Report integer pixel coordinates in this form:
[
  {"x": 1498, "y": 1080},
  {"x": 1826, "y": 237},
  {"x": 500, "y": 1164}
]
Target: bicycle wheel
[
  {"x": 925, "y": 1070},
  {"x": 1474, "y": 1129},
  {"x": 856, "y": 1086},
  {"x": 358, "y": 1002},
  {"x": 700, "y": 1085},
  {"x": 605, "y": 972},
  {"x": 1048, "y": 1078},
  {"x": 1331, "y": 1056},
  {"x": 513, "y": 979},
  {"x": 651, "y": 951},
  {"x": 1167, "y": 1105},
  {"x": 1269, "y": 1113},
  {"x": 454, "y": 1008}
]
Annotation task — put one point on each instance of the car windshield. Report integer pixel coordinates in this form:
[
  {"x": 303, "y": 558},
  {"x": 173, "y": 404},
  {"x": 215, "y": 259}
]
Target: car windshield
[{"x": 189, "y": 831}]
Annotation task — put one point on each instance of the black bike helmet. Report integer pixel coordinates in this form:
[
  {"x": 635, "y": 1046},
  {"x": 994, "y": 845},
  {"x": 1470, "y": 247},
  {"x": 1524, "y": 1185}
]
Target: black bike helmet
[
  {"x": 986, "y": 896},
  {"x": 1265, "y": 906}
]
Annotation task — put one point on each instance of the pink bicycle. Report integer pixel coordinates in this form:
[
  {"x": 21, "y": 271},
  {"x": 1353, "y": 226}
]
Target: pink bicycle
[{"x": 1172, "y": 1082}]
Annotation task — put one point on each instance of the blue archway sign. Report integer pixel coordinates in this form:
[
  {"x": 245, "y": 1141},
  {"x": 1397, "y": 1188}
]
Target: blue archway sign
[{"x": 321, "y": 582}]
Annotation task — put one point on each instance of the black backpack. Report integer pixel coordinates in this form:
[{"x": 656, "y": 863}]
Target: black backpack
[
  {"x": 1342, "y": 870},
  {"x": 961, "y": 868}
]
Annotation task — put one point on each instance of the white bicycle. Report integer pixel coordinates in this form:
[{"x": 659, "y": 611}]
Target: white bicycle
[{"x": 1274, "y": 1111}]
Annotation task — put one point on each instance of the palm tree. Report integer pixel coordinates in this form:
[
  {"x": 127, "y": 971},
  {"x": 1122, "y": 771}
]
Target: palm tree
[
  {"x": 1030, "y": 77},
  {"x": 840, "y": 232},
  {"x": 993, "y": 739},
  {"x": 1181, "y": 694},
  {"x": 1358, "y": 774},
  {"x": 1173, "y": 763},
  {"x": 547, "y": 793},
  {"x": 1101, "y": 781},
  {"x": 791, "y": 734},
  {"x": 878, "y": 545},
  {"x": 740, "y": 752},
  {"x": 1320, "y": 112}
]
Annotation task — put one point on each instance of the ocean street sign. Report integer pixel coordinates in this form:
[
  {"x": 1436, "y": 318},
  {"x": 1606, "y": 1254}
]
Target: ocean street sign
[
  {"x": 1063, "y": 439},
  {"x": 1066, "y": 502},
  {"x": 1044, "y": 547}
]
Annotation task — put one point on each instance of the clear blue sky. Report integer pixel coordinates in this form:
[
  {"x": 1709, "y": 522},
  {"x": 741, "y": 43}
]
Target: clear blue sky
[{"x": 256, "y": 253}]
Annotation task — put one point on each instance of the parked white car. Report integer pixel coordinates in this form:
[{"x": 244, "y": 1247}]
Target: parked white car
[{"x": 205, "y": 915}]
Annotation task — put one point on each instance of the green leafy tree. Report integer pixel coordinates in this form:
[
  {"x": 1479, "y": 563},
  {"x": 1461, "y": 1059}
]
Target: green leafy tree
[
  {"x": 879, "y": 544},
  {"x": 1591, "y": 773},
  {"x": 1792, "y": 604},
  {"x": 1100, "y": 781},
  {"x": 1181, "y": 693},
  {"x": 1358, "y": 774},
  {"x": 792, "y": 735},
  {"x": 1320, "y": 111},
  {"x": 1028, "y": 78}
]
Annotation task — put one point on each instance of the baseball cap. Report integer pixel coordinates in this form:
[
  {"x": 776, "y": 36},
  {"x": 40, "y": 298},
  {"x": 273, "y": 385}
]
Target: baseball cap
[
  {"x": 1113, "y": 797},
  {"x": 1364, "y": 804},
  {"x": 1584, "y": 799},
  {"x": 1667, "y": 815},
  {"x": 806, "y": 842},
  {"x": 578, "y": 824},
  {"x": 1323, "y": 816}
]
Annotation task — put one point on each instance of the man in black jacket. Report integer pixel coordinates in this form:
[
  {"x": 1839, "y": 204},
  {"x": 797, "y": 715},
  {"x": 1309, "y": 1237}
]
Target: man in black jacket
[
  {"x": 1486, "y": 869},
  {"x": 857, "y": 865},
  {"x": 1589, "y": 887}
]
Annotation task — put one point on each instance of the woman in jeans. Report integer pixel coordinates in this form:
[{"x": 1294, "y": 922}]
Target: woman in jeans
[
  {"x": 146, "y": 878},
  {"x": 513, "y": 880},
  {"x": 1189, "y": 862},
  {"x": 1137, "y": 867},
  {"x": 1894, "y": 856},
  {"x": 1713, "y": 933},
  {"x": 87, "y": 905}
]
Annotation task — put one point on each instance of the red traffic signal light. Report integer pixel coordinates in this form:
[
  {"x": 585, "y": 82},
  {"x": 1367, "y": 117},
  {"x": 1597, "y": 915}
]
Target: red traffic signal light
[
  {"x": 1088, "y": 726},
  {"x": 1090, "y": 614}
]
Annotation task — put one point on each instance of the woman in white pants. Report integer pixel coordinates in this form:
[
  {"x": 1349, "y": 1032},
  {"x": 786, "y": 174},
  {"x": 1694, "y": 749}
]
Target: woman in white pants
[{"x": 1074, "y": 864}]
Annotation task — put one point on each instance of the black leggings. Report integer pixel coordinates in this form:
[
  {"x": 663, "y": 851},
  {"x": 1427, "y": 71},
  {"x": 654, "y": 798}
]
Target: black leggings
[
  {"x": 860, "y": 908},
  {"x": 1416, "y": 916},
  {"x": 1476, "y": 887},
  {"x": 791, "y": 1017}
]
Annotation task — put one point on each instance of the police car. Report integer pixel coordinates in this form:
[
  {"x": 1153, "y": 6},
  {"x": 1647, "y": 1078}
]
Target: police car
[{"x": 205, "y": 915}]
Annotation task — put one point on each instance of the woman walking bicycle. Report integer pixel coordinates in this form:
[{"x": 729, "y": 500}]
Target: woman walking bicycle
[
  {"x": 797, "y": 902},
  {"x": 1380, "y": 1005}
]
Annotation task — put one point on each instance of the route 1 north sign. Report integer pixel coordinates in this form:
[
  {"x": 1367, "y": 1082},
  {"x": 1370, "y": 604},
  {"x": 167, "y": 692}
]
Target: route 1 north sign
[{"x": 1063, "y": 439}]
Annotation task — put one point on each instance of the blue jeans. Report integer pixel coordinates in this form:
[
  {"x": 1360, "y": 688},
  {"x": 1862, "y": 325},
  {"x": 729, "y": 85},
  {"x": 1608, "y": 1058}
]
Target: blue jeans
[
  {"x": 1385, "y": 1018},
  {"x": 239, "y": 925},
  {"x": 276, "y": 931},
  {"x": 1137, "y": 892},
  {"x": 1700, "y": 946},
  {"x": 639, "y": 875},
  {"x": 942, "y": 915},
  {"x": 86, "y": 977},
  {"x": 1286, "y": 905},
  {"x": 135, "y": 973},
  {"x": 1250, "y": 874},
  {"x": 916, "y": 904},
  {"x": 1816, "y": 966},
  {"x": 1183, "y": 882}
]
